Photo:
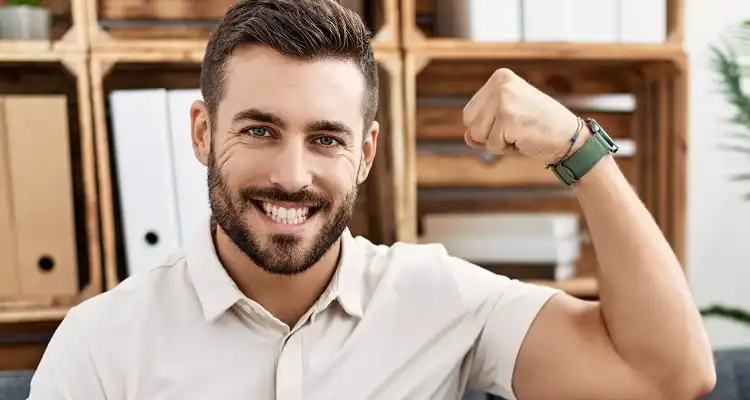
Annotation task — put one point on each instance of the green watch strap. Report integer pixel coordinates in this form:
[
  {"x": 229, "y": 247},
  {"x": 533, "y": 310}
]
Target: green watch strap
[{"x": 572, "y": 169}]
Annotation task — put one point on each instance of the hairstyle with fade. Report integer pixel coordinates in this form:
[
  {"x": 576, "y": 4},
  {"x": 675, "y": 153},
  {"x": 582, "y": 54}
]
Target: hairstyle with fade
[{"x": 300, "y": 29}]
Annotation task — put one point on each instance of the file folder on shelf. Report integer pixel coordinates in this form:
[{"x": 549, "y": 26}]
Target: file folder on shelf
[
  {"x": 189, "y": 174},
  {"x": 39, "y": 164},
  {"x": 10, "y": 285},
  {"x": 142, "y": 152},
  {"x": 480, "y": 20}
]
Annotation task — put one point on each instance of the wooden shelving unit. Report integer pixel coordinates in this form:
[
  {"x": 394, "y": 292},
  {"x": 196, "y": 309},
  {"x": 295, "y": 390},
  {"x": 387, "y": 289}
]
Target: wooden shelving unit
[
  {"x": 427, "y": 80},
  {"x": 175, "y": 25},
  {"x": 644, "y": 85},
  {"x": 60, "y": 67},
  {"x": 68, "y": 35}
]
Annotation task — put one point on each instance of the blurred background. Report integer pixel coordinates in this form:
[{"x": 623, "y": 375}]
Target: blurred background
[{"x": 98, "y": 178}]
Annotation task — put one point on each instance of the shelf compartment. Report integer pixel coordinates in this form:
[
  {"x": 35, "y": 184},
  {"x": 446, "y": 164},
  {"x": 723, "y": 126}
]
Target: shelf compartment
[
  {"x": 134, "y": 25},
  {"x": 36, "y": 298},
  {"x": 508, "y": 171},
  {"x": 637, "y": 103},
  {"x": 419, "y": 19},
  {"x": 68, "y": 35},
  {"x": 376, "y": 214}
]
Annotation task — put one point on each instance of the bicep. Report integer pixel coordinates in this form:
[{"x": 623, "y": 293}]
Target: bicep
[
  {"x": 567, "y": 353},
  {"x": 66, "y": 370}
]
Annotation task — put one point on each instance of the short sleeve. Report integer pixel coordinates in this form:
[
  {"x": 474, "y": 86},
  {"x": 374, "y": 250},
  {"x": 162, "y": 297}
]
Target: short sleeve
[
  {"x": 496, "y": 350},
  {"x": 66, "y": 370}
]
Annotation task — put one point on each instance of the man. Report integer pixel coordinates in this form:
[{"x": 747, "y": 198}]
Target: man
[{"x": 274, "y": 299}]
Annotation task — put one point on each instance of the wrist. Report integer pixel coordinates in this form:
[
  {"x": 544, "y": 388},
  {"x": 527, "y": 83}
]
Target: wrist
[
  {"x": 591, "y": 146},
  {"x": 583, "y": 137},
  {"x": 603, "y": 171}
]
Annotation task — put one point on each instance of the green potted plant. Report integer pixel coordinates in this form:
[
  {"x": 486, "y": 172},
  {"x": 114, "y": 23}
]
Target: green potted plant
[
  {"x": 24, "y": 20},
  {"x": 731, "y": 62}
]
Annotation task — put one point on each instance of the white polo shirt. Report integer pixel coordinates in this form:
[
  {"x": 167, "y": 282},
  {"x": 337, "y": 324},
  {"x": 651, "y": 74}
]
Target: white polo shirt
[{"x": 400, "y": 322}]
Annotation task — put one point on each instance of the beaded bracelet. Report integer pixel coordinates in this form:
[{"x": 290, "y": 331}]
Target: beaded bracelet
[{"x": 581, "y": 124}]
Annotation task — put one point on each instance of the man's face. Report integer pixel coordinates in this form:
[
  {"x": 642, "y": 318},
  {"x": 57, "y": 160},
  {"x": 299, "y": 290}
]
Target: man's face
[{"x": 285, "y": 154}]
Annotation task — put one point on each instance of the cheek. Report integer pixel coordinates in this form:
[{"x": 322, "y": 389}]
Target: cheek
[{"x": 337, "y": 175}]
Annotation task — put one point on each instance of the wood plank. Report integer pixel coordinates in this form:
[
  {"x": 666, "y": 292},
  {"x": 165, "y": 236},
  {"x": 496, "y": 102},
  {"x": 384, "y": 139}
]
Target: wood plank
[
  {"x": 163, "y": 9},
  {"x": 440, "y": 123},
  {"x": 439, "y": 170},
  {"x": 466, "y": 77},
  {"x": 464, "y": 49},
  {"x": 424, "y": 6},
  {"x": 441, "y": 200}
]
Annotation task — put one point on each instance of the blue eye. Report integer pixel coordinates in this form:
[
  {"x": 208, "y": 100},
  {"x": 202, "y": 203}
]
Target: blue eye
[
  {"x": 258, "y": 131},
  {"x": 327, "y": 141}
]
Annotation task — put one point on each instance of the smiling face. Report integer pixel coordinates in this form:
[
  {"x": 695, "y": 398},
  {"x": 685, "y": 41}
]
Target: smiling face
[{"x": 286, "y": 151}]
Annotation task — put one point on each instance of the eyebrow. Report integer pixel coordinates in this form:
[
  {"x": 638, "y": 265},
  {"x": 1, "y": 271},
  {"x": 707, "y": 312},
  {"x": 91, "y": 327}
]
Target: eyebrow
[{"x": 255, "y": 114}]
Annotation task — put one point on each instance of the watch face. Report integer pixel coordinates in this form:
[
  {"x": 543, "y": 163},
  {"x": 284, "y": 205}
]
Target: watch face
[{"x": 597, "y": 129}]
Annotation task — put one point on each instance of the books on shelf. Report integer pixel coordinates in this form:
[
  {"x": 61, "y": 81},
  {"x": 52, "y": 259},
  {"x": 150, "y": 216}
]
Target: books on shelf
[
  {"x": 162, "y": 186},
  {"x": 532, "y": 239},
  {"x": 572, "y": 21}
]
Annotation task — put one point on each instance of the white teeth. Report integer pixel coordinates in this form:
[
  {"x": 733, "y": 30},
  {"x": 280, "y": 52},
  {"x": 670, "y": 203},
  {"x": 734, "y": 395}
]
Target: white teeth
[{"x": 282, "y": 215}]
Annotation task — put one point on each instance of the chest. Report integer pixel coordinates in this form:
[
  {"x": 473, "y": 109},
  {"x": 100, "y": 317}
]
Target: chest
[{"x": 324, "y": 359}]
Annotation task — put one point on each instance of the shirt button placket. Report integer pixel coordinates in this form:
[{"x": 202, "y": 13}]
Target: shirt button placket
[{"x": 289, "y": 368}]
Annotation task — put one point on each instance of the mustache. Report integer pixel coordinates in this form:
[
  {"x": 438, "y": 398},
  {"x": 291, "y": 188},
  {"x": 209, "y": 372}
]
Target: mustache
[{"x": 270, "y": 194}]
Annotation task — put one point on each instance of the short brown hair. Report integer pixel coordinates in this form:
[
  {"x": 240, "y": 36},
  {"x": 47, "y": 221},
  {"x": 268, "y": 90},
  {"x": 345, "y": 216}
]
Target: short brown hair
[{"x": 301, "y": 29}]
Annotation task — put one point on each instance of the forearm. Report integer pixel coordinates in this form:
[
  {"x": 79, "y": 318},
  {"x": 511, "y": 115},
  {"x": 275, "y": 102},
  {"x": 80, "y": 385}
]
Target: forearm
[{"x": 644, "y": 297}]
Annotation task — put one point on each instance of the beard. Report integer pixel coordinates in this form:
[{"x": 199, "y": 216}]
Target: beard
[{"x": 284, "y": 254}]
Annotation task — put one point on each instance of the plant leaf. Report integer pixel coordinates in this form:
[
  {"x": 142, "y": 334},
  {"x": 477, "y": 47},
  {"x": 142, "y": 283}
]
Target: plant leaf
[
  {"x": 733, "y": 313},
  {"x": 735, "y": 148}
]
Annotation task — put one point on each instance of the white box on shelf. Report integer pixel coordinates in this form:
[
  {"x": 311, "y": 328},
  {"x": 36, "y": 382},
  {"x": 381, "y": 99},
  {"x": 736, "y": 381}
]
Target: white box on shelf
[
  {"x": 501, "y": 224},
  {"x": 595, "y": 21},
  {"x": 643, "y": 21},
  {"x": 519, "y": 238},
  {"x": 479, "y": 20},
  {"x": 562, "y": 252},
  {"x": 548, "y": 20}
]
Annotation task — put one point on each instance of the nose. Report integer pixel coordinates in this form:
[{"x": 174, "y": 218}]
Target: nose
[{"x": 290, "y": 170}]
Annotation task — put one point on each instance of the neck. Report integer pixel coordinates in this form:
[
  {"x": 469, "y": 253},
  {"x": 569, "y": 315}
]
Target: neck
[{"x": 287, "y": 297}]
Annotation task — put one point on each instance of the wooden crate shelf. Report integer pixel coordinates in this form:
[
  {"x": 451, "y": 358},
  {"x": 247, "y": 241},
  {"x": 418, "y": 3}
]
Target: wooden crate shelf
[
  {"x": 418, "y": 19},
  {"x": 67, "y": 76},
  {"x": 375, "y": 216},
  {"x": 176, "y": 25},
  {"x": 638, "y": 103},
  {"x": 68, "y": 35}
]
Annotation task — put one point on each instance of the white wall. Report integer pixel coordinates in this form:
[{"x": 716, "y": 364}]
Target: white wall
[{"x": 718, "y": 219}]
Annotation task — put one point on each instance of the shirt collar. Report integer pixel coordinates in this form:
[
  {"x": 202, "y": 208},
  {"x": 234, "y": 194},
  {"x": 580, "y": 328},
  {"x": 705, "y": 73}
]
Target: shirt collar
[
  {"x": 346, "y": 285},
  {"x": 217, "y": 292}
]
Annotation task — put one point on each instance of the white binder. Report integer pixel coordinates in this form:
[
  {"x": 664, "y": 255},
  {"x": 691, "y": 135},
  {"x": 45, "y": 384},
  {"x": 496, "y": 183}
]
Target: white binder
[
  {"x": 480, "y": 20},
  {"x": 549, "y": 20},
  {"x": 145, "y": 176},
  {"x": 189, "y": 174},
  {"x": 596, "y": 21},
  {"x": 643, "y": 21}
]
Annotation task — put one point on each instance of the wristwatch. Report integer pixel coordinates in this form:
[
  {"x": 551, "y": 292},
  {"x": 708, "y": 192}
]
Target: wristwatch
[{"x": 572, "y": 169}]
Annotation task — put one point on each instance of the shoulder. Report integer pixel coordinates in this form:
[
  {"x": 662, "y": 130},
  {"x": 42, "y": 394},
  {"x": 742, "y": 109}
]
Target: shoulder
[
  {"x": 429, "y": 270},
  {"x": 141, "y": 297}
]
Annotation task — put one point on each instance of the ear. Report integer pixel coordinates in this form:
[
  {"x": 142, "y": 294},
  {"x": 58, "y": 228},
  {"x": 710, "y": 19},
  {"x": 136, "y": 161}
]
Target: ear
[
  {"x": 200, "y": 126},
  {"x": 369, "y": 148}
]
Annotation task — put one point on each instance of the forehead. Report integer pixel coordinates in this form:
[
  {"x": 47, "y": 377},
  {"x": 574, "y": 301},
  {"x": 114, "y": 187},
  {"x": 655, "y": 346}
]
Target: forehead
[{"x": 297, "y": 91}]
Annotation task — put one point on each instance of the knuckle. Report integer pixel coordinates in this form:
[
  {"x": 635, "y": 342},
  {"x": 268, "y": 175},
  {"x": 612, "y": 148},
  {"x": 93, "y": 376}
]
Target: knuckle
[{"x": 503, "y": 75}]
